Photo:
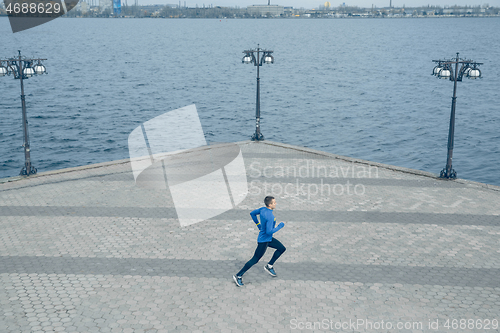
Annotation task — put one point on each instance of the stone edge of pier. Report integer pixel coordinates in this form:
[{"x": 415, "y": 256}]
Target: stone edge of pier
[{"x": 277, "y": 144}]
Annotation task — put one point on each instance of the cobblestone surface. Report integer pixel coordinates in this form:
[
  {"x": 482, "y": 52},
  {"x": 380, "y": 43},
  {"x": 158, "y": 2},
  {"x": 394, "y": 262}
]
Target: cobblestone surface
[{"x": 86, "y": 250}]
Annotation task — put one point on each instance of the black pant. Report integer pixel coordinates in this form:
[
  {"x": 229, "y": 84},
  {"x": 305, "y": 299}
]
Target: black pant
[{"x": 259, "y": 252}]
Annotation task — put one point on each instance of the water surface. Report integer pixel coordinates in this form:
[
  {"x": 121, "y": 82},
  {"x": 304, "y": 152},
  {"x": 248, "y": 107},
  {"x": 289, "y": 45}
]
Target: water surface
[{"x": 354, "y": 87}]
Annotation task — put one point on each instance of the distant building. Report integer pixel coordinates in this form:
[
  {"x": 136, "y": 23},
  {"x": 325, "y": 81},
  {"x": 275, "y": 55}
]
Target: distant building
[
  {"x": 117, "y": 7},
  {"x": 264, "y": 10},
  {"x": 105, "y": 5},
  {"x": 84, "y": 7},
  {"x": 289, "y": 11}
]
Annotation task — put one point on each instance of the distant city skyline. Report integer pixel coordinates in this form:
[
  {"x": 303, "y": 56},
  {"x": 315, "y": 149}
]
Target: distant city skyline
[{"x": 317, "y": 4}]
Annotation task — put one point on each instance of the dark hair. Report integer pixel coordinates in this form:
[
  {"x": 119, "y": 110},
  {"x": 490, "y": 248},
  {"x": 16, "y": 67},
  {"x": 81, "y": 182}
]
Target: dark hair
[{"x": 268, "y": 200}]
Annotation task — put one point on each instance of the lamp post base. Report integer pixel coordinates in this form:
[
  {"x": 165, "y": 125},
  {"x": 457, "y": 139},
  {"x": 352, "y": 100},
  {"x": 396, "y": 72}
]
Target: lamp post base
[
  {"x": 24, "y": 170},
  {"x": 257, "y": 137},
  {"x": 451, "y": 175}
]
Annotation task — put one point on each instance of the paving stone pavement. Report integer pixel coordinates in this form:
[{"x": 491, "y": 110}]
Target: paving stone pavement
[{"x": 370, "y": 248}]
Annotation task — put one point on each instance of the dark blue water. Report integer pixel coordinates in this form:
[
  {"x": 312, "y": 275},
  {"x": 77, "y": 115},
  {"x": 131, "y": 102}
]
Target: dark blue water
[{"x": 354, "y": 87}]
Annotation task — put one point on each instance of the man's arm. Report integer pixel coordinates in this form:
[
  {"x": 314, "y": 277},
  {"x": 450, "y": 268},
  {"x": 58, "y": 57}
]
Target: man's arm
[
  {"x": 269, "y": 224},
  {"x": 254, "y": 217}
]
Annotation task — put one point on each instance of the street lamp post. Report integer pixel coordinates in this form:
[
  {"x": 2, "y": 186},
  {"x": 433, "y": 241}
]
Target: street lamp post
[
  {"x": 444, "y": 70},
  {"x": 257, "y": 61},
  {"x": 23, "y": 68}
]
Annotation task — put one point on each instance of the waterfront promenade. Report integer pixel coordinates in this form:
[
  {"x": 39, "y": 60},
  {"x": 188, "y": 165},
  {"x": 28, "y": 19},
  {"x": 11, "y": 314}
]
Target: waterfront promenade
[{"x": 87, "y": 250}]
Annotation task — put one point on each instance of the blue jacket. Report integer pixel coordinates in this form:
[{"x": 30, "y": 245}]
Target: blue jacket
[{"x": 267, "y": 224}]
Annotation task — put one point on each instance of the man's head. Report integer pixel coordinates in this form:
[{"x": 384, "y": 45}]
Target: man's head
[{"x": 270, "y": 202}]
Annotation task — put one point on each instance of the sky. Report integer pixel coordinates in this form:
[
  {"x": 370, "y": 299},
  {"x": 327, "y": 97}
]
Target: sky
[{"x": 333, "y": 3}]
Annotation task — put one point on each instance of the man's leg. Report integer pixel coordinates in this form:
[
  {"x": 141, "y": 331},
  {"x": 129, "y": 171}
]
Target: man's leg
[
  {"x": 259, "y": 252},
  {"x": 276, "y": 244}
]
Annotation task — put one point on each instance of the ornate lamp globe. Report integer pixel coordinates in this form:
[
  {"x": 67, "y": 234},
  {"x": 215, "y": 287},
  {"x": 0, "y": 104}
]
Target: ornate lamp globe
[
  {"x": 444, "y": 74},
  {"x": 268, "y": 59},
  {"x": 14, "y": 69},
  {"x": 436, "y": 70},
  {"x": 28, "y": 72},
  {"x": 247, "y": 59},
  {"x": 39, "y": 69},
  {"x": 474, "y": 73}
]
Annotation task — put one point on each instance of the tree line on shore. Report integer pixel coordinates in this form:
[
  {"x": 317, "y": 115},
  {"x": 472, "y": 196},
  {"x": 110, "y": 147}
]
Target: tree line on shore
[{"x": 169, "y": 11}]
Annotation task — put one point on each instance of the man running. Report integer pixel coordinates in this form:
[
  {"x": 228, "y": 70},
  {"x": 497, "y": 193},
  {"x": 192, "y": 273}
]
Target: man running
[{"x": 265, "y": 239}]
